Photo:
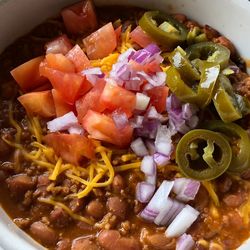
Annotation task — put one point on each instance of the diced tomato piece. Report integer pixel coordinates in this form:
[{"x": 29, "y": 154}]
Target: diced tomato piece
[
  {"x": 158, "y": 97},
  {"x": 79, "y": 58},
  {"x": 101, "y": 43},
  {"x": 38, "y": 103},
  {"x": 72, "y": 148},
  {"x": 61, "y": 106},
  {"x": 61, "y": 45},
  {"x": 27, "y": 75},
  {"x": 70, "y": 85},
  {"x": 141, "y": 37},
  {"x": 90, "y": 101},
  {"x": 152, "y": 67},
  {"x": 118, "y": 32},
  {"x": 60, "y": 62},
  {"x": 102, "y": 127},
  {"x": 115, "y": 97},
  {"x": 80, "y": 18}
]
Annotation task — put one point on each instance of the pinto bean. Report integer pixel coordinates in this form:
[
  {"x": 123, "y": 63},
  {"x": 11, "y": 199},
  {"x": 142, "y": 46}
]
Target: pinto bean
[
  {"x": 43, "y": 233},
  {"x": 19, "y": 184},
  {"x": 117, "y": 206},
  {"x": 210, "y": 32},
  {"x": 96, "y": 209},
  {"x": 233, "y": 200},
  {"x": 201, "y": 200},
  {"x": 59, "y": 218},
  {"x": 118, "y": 184},
  {"x": 111, "y": 239},
  {"x": 225, "y": 42},
  {"x": 180, "y": 17},
  {"x": 63, "y": 244},
  {"x": 76, "y": 205},
  {"x": 243, "y": 87},
  {"x": 159, "y": 241},
  {"x": 4, "y": 148},
  {"x": 224, "y": 184},
  {"x": 83, "y": 243}
]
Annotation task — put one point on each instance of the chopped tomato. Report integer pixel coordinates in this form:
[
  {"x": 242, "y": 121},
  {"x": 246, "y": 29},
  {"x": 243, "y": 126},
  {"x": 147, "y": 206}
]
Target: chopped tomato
[
  {"x": 158, "y": 97},
  {"x": 46, "y": 86},
  {"x": 72, "y": 148},
  {"x": 80, "y": 18},
  {"x": 152, "y": 67},
  {"x": 90, "y": 101},
  {"x": 60, "y": 62},
  {"x": 78, "y": 57},
  {"x": 27, "y": 75},
  {"x": 115, "y": 97},
  {"x": 70, "y": 85},
  {"x": 140, "y": 37},
  {"x": 101, "y": 43},
  {"x": 118, "y": 32},
  {"x": 61, "y": 45},
  {"x": 38, "y": 103},
  {"x": 61, "y": 106},
  {"x": 102, "y": 127}
]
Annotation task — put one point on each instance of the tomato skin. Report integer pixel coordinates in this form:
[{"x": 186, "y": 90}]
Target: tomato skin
[
  {"x": 102, "y": 127},
  {"x": 158, "y": 97},
  {"x": 115, "y": 97},
  {"x": 80, "y": 18},
  {"x": 79, "y": 58},
  {"x": 101, "y": 43},
  {"x": 91, "y": 100},
  {"x": 70, "y": 85},
  {"x": 61, "y": 44},
  {"x": 38, "y": 103},
  {"x": 61, "y": 107},
  {"x": 140, "y": 37},
  {"x": 72, "y": 148},
  {"x": 60, "y": 62},
  {"x": 27, "y": 75}
]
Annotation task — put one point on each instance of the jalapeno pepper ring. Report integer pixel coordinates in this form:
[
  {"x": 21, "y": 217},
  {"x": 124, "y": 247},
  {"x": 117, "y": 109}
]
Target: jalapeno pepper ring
[{"x": 203, "y": 155}]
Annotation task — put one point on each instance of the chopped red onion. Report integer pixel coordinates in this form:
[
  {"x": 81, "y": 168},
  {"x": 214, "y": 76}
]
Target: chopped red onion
[
  {"x": 137, "y": 121},
  {"x": 185, "y": 242},
  {"x": 153, "y": 48},
  {"x": 150, "y": 144},
  {"x": 158, "y": 201},
  {"x": 186, "y": 189},
  {"x": 169, "y": 212},
  {"x": 77, "y": 130},
  {"x": 148, "y": 166},
  {"x": 153, "y": 114},
  {"x": 139, "y": 147},
  {"x": 63, "y": 122},
  {"x": 120, "y": 119},
  {"x": 183, "y": 117},
  {"x": 142, "y": 101},
  {"x": 158, "y": 79},
  {"x": 93, "y": 74},
  {"x": 234, "y": 68},
  {"x": 182, "y": 222},
  {"x": 163, "y": 142},
  {"x": 161, "y": 160},
  {"x": 151, "y": 179},
  {"x": 149, "y": 129},
  {"x": 144, "y": 191}
]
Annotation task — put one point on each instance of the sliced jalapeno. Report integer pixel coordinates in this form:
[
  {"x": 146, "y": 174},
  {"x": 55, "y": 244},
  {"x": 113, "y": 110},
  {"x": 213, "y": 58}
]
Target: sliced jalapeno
[
  {"x": 200, "y": 94},
  {"x": 164, "y": 29},
  {"x": 225, "y": 101},
  {"x": 240, "y": 142},
  {"x": 209, "y": 51},
  {"x": 180, "y": 61},
  {"x": 203, "y": 155}
]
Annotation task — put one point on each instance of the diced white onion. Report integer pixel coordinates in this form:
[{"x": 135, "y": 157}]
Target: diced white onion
[
  {"x": 185, "y": 242},
  {"x": 148, "y": 166},
  {"x": 182, "y": 222},
  {"x": 142, "y": 101},
  {"x": 144, "y": 191},
  {"x": 139, "y": 147}
]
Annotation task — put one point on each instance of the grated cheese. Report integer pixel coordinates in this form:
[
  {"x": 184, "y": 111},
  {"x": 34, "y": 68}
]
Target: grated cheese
[{"x": 211, "y": 191}]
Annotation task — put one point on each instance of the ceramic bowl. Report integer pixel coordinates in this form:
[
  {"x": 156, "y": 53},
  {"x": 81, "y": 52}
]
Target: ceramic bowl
[{"x": 231, "y": 18}]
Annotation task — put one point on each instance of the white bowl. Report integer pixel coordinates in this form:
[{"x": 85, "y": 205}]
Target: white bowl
[{"x": 231, "y": 18}]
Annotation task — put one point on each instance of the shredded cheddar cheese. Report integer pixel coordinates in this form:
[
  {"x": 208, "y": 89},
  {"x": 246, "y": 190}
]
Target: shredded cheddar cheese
[{"x": 211, "y": 191}]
